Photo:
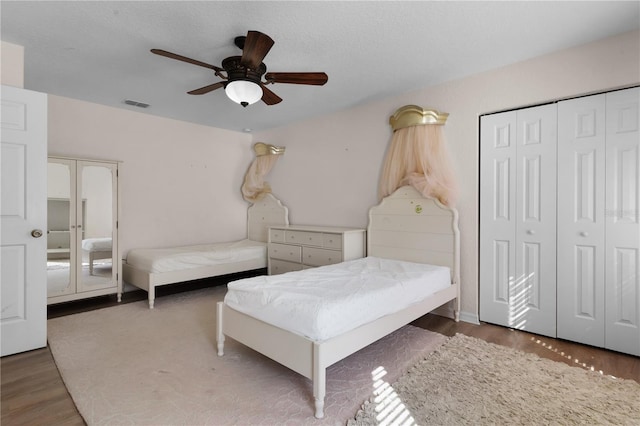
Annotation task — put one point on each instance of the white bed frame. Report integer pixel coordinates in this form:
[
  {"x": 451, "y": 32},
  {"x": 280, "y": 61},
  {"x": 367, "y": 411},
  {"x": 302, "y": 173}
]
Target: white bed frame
[
  {"x": 266, "y": 212},
  {"x": 404, "y": 226}
]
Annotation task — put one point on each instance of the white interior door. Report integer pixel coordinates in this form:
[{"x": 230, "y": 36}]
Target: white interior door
[
  {"x": 622, "y": 222},
  {"x": 581, "y": 156},
  {"x": 23, "y": 210}
]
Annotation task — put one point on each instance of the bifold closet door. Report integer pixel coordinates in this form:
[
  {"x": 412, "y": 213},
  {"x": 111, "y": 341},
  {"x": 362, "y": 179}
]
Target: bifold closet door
[
  {"x": 598, "y": 229},
  {"x": 581, "y": 186},
  {"x": 622, "y": 222},
  {"x": 518, "y": 219}
]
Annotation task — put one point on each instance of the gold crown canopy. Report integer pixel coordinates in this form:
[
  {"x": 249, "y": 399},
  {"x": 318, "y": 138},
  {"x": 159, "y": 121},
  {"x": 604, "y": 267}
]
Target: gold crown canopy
[
  {"x": 413, "y": 115},
  {"x": 267, "y": 149}
]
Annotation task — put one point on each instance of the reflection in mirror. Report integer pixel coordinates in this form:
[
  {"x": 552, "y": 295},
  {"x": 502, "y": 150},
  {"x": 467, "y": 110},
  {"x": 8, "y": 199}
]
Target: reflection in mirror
[
  {"x": 97, "y": 231},
  {"x": 59, "y": 210}
]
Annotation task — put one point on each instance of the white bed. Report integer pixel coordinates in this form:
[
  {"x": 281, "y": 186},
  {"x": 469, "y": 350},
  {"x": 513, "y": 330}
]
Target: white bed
[
  {"x": 406, "y": 227},
  {"x": 96, "y": 249},
  {"x": 150, "y": 268}
]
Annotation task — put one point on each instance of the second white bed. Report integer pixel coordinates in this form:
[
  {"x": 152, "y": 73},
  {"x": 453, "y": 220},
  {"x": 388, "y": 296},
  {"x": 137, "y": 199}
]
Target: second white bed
[{"x": 186, "y": 257}]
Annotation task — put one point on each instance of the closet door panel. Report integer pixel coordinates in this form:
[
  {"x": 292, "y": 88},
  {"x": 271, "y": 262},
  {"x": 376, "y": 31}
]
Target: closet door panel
[
  {"x": 96, "y": 224},
  {"x": 622, "y": 211},
  {"x": 534, "y": 286},
  {"x": 581, "y": 161},
  {"x": 497, "y": 218},
  {"x": 61, "y": 227}
]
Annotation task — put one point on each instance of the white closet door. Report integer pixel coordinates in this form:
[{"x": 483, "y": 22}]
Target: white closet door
[
  {"x": 497, "y": 217},
  {"x": 518, "y": 219},
  {"x": 622, "y": 222},
  {"x": 581, "y": 161},
  {"x": 533, "y": 291}
]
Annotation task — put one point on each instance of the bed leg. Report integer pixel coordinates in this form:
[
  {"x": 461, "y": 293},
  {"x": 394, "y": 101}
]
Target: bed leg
[
  {"x": 319, "y": 381},
  {"x": 219, "y": 333},
  {"x": 119, "y": 297},
  {"x": 152, "y": 296}
]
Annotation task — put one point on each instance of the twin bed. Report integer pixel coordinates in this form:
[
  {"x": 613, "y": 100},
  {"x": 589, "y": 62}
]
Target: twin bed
[
  {"x": 308, "y": 320},
  {"x": 150, "y": 268}
]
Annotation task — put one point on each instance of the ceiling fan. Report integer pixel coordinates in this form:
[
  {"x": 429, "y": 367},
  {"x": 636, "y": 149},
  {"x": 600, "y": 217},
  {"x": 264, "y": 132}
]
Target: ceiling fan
[{"x": 242, "y": 75}]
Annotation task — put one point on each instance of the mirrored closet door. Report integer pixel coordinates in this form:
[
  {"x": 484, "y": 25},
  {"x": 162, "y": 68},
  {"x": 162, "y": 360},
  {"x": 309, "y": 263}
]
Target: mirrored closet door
[{"x": 82, "y": 249}]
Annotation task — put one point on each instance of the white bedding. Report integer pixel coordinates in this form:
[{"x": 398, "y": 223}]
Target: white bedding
[
  {"x": 324, "y": 302},
  {"x": 97, "y": 244},
  {"x": 186, "y": 257}
]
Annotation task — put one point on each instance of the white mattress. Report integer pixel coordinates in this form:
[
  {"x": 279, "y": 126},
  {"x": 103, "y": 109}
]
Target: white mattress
[
  {"x": 187, "y": 257},
  {"x": 96, "y": 244},
  {"x": 324, "y": 302}
]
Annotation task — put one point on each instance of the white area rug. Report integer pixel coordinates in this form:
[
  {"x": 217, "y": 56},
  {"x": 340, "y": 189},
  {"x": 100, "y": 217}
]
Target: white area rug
[
  {"x": 469, "y": 381},
  {"x": 132, "y": 365}
]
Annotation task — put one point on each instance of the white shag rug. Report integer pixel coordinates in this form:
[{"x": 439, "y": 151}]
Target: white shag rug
[
  {"x": 468, "y": 381},
  {"x": 135, "y": 366}
]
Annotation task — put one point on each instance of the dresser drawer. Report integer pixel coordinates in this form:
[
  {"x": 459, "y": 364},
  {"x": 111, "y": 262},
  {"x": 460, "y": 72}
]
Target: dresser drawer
[
  {"x": 282, "y": 266},
  {"x": 276, "y": 235},
  {"x": 318, "y": 257},
  {"x": 333, "y": 241},
  {"x": 285, "y": 252},
  {"x": 303, "y": 237}
]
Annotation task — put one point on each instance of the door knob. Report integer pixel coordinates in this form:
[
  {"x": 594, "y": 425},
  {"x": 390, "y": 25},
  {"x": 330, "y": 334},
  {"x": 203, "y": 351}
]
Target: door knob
[
  {"x": 531, "y": 232},
  {"x": 36, "y": 233},
  {"x": 584, "y": 234}
]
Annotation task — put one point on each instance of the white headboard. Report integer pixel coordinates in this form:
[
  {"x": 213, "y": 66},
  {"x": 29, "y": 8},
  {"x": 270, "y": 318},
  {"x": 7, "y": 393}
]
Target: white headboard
[
  {"x": 408, "y": 226},
  {"x": 266, "y": 212}
]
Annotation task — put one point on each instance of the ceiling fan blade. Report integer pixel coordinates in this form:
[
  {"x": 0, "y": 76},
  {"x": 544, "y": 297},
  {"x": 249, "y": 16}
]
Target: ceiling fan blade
[
  {"x": 207, "y": 89},
  {"x": 256, "y": 47},
  {"x": 268, "y": 97},
  {"x": 312, "y": 78},
  {"x": 184, "y": 59}
]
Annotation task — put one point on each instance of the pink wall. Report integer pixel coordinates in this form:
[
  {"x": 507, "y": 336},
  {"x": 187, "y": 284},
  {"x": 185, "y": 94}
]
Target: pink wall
[
  {"x": 12, "y": 65},
  {"x": 332, "y": 164},
  {"x": 179, "y": 182}
]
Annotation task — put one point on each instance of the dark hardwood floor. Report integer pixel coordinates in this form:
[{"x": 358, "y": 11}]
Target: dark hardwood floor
[{"x": 32, "y": 391}]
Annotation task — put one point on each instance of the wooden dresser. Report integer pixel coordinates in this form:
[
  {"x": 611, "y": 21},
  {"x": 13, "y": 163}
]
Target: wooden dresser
[{"x": 296, "y": 247}]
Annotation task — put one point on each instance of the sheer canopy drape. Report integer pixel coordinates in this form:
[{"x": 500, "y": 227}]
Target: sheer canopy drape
[
  {"x": 254, "y": 185},
  {"x": 418, "y": 156}
]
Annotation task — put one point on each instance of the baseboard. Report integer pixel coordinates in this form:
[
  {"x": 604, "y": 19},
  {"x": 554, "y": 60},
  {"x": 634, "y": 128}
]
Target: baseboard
[
  {"x": 447, "y": 312},
  {"x": 469, "y": 317}
]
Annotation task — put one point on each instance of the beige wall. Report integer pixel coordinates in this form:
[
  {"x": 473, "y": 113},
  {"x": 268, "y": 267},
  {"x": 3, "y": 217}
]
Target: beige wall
[
  {"x": 332, "y": 164},
  {"x": 179, "y": 182},
  {"x": 12, "y": 69}
]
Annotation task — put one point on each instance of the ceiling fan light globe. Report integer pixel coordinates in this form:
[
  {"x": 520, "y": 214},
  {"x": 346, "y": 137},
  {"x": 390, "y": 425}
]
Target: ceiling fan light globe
[{"x": 243, "y": 92}]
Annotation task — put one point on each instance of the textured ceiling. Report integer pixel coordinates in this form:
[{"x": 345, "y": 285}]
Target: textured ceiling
[{"x": 99, "y": 51}]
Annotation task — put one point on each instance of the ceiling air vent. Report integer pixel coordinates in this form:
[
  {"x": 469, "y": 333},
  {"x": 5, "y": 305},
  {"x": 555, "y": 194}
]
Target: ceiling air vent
[{"x": 136, "y": 103}]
